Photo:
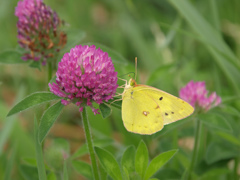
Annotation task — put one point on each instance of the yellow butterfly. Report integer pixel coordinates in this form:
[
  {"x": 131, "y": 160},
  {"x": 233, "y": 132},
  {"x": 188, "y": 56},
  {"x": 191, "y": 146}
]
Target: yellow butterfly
[{"x": 145, "y": 109}]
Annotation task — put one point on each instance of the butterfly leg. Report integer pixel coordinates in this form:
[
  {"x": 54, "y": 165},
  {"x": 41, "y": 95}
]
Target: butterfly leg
[
  {"x": 123, "y": 80},
  {"x": 115, "y": 101}
]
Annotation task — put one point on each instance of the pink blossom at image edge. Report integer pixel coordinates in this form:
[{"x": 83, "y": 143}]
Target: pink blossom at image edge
[{"x": 196, "y": 94}]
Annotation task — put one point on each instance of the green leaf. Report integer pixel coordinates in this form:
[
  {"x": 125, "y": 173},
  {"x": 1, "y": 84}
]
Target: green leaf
[
  {"x": 30, "y": 161},
  {"x": 53, "y": 79},
  {"x": 33, "y": 100},
  {"x": 11, "y": 57},
  {"x": 224, "y": 57},
  {"x": 83, "y": 168},
  {"x": 230, "y": 110},
  {"x": 217, "y": 121},
  {"x": 10, "y": 122},
  {"x": 51, "y": 176},
  {"x": 216, "y": 152},
  {"x": 128, "y": 159},
  {"x": 159, "y": 73},
  {"x": 98, "y": 142},
  {"x": 105, "y": 110},
  {"x": 6, "y": 131},
  {"x": 10, "y": 163},
  {"x": 115, "y": 56},
  {"x": 29, "y": 172},
  {"x": 48, "y": 119},
  {"x": 39, "y": 154},
  {"x": 229, "y": 137},
  {"x": 203, "y": 28},
  {"x": 65, "y": 172},
  {"x": 109, "y": 163},
  {"x": 126, "y": 174},
  {"x": 141, "y": 159},
  {"x": 214, "y": 173},
  {"x": 35, "y": 64},
  {"x": 158, "y": 162}
]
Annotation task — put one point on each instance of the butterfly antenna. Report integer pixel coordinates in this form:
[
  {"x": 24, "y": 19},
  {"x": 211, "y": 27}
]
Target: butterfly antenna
[{"x": 135, "y": 68}]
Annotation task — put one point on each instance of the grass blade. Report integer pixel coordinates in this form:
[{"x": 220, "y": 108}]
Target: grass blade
[{"x": 39, "y": 154}]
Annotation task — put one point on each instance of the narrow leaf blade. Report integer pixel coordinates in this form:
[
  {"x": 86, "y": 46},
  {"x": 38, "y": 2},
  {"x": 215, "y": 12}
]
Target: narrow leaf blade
[
  {"x": 158, "y": 162},
  {"x": 141, "y": 159},
  {"x": 216, "y": 121},
  {"x": 229, "y": 137},
  {"x": 39, "y": 155},
  {"x": 33, "y": 100},
  {"x": 83, "y": 168},
  {"x": 109, "y": 163},
  {"x": 11, "y": 57},
  {"x": 128, "y": 159},
  {"x": 97, "y": 142},
  {"x": 48, "y": 119}
]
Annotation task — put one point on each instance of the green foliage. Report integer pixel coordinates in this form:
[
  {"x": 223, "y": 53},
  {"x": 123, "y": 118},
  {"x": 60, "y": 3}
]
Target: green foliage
[
  {"x": 39, "y": 154},
  {"x": 109, "y": 163},
  {"x": 215, "y": 121},
  {"x": 83, "y": 168},
  {"x": 175, "y": 41},
  {"x": 31, "y": 101},
  {"x": 48, "y": 119},
  {"x": 65, "y": 172},
  {"x": 158, "y": 162},
  {"x": 141, "y": 159},
  {"x": 105, "y": 110},
  {"x": 11, "y": 57},
  {"x": 97, "y": 142}
]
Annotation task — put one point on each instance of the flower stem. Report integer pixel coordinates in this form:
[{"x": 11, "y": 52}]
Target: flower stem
[
  {"x": 90, "y": 144},
  {"x": 49, "y": 71},
  {"x": 195, "y": 148}
]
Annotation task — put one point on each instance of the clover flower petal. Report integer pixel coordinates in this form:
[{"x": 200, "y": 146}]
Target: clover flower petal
[
  {"x": 84, "y": 75},
  {"x": 196, "y": 94},
  {"x": 38, "y": 30}
]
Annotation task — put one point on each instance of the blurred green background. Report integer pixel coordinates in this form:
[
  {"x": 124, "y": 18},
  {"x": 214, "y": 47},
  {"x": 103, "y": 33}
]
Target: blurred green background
[{"x": 175, "y": 41}]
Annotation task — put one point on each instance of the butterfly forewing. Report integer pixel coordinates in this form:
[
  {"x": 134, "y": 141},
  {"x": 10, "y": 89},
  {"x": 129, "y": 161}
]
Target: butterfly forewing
[
  {"x": 139, "y": 112},
  {"x": 172, "y": 108}
]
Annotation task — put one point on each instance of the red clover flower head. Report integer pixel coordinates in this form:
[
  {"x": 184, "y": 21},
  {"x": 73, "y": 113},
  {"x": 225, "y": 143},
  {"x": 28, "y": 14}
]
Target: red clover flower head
[
  {"x": 196, "y": 94},
  {"x": 38, "y": 30},
  {"x": 84, "y": 75}
]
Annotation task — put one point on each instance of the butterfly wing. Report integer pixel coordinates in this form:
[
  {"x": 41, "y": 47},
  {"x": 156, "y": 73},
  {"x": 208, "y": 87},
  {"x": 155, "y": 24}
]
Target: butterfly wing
[
  {"x": 172, "y": 108},
  {"x": 139, "y": 112}
]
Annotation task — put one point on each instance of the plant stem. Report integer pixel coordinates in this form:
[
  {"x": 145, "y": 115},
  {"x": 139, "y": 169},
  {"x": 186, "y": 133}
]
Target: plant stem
[
  {"x": 235, "y": 170},
  {"x": 195, "y": 148},
  {"x": 90, "y": 144}
]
